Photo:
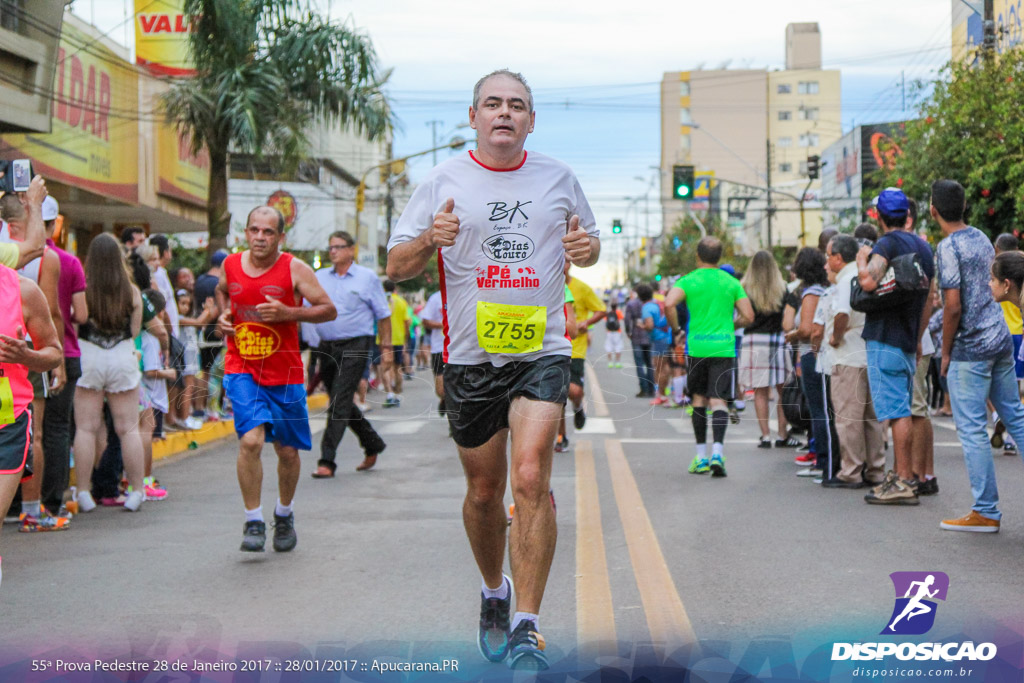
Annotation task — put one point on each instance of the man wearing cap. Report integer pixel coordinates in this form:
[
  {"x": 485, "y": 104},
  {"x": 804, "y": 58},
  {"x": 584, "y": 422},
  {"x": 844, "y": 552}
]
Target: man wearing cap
[
  {"x": 892, "y": 337},
  {"x": 57, "y": 416}
]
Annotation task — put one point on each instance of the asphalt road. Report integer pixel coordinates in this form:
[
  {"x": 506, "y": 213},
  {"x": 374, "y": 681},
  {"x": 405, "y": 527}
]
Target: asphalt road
[{"x": 649, "y": 557}]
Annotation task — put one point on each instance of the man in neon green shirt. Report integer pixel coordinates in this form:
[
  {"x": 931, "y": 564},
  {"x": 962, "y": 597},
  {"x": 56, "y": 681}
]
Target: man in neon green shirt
[{"x": 711, "y": 296}]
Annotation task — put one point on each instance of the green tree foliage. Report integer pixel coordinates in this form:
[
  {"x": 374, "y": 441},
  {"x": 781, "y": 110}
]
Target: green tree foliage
[
  {"x": 971, "y": 129},
  {"x": 266, "y": 71},
  {"x": 679, "y": 247}
]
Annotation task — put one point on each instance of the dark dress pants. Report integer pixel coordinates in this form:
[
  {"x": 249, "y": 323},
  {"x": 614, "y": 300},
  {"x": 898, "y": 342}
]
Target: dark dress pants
[
  {"x": 823, "y": 426},
  {"x": 341, "y": 367},
  {"x": 57, "y": 438}
]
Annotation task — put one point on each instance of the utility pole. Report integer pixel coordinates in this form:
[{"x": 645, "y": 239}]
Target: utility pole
[
  {"x": 768, "y": 178},
  {"x": 433, "y": 136},
  {"x": 988, "y": 43}
]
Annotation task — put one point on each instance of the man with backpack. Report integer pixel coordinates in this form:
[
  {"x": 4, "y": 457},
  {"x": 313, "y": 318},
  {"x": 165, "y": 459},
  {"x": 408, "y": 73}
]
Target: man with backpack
[{"x": 613, "y": 336}]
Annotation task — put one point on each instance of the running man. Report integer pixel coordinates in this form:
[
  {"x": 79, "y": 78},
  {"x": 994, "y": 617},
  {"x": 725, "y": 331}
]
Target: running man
[
  {"x": 915, "y": 607},
  {"x": 502, "y": 222},
  {"x": 261, "y": 293},
  {"x": 711, "y": 295},
  {"x": 17, "y": 358},
  {"x": 589, "y": 310}
]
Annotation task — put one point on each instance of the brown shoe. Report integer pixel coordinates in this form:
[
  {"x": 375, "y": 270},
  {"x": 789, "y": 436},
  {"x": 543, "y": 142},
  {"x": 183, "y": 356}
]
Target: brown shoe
[
  {"x": 323, "y": 472},
  {"x": 368, "y": 462},
  {"x": 972, "y": 522}
]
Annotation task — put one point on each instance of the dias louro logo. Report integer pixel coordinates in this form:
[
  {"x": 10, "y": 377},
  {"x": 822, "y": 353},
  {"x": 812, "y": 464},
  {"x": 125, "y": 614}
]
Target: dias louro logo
[{"x": 913, "y": 614}]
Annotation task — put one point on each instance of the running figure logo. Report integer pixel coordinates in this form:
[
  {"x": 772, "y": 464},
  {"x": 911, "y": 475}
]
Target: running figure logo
[{"x": 914, "y": 612}]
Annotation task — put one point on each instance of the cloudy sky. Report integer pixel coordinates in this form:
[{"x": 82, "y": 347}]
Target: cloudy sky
[{"x": 595, "y": 67}]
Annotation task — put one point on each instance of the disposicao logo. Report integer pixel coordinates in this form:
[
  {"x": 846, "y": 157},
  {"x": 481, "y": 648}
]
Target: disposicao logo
[
  {"x": 913, "y": 615},
  {"x": 916, "y": 593}
]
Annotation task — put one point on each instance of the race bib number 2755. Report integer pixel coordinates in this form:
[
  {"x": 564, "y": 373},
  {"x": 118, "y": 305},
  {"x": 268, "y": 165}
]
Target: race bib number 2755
[{"x": 507, "y": 328}]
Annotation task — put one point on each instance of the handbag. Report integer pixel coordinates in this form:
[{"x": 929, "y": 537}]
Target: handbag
[
  {"x": 794, "y": 404},
  {"x": 903, "y": 282}
]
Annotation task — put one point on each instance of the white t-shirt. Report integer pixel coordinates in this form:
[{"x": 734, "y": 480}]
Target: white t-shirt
[
  {"x": 154, "y": 390},
  {"x": 433, "y": 311},
  {"x": 852, "y": 351},
  {"x": 508, "y": 252},
  {"x": 163, "y": 283}
]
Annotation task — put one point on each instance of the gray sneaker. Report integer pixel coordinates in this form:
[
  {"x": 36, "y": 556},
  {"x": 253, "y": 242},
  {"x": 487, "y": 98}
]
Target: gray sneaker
[
  {"x": 284, "y": 533},
  {"x": 893, "y": 492},
  {"x": 254, "y": 537}
]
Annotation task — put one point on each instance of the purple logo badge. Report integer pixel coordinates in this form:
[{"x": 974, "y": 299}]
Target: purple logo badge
[{"x": 916, "y": 592}]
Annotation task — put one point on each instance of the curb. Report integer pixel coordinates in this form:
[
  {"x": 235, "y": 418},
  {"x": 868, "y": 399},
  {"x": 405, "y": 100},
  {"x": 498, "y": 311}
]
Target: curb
[{"x": 181, "y": 442}]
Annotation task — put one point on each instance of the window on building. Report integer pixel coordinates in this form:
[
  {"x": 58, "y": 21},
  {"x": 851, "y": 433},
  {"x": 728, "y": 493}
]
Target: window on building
[
  {"x": 809, "y": 140},
  {"x": 684, "y": 117},
  {"x": 785, "y": 142},
  {"x": 809, "y": 114},
  {"x": 807, "y": 88},
  {"x": 684, "y": 88},
  {"x": 784, "y": 88},
  {"x": 785, "y": 115},
  {"x": 11, "y": 12},
  {"x": 786, "y": 168}
]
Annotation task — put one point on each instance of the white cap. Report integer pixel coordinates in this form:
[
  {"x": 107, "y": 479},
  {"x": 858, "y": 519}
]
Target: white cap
[{"x": 50, "y": 208}]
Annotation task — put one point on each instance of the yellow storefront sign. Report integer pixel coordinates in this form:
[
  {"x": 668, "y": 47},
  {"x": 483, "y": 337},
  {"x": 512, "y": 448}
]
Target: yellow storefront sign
[
  {"x": 95, "y": 135},
  {"x": 161, "y": 37},
  {"x": 182, "y": 175}
]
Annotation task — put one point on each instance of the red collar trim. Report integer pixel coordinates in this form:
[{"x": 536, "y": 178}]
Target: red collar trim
[{"x": 498, "y": 170}]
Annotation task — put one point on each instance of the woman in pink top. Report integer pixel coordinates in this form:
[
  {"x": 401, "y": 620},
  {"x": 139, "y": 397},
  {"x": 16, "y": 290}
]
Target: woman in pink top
[{"x": 31, "y": 317}]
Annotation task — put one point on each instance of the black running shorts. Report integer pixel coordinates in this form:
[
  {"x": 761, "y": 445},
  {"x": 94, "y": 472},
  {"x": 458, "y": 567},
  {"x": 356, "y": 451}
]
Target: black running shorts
[
  {"x": 437, "y": 363},
  {"x": 709, "y": 377},
  {"x": 478, "y": 397},
  {"x": 576, "y": 370}
]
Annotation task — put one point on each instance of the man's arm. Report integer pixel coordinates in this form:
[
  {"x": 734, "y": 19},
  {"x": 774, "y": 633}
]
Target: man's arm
[
  {"x": 79, "y": 308},
  {"x": 34, "y": 243},
  {"x": 951, "y": 313},
  {"x": 870, "y": 269},
  {"x": 675, "y": 296},
  {"x": 746, "y": 313},
  {"x": 839, "y": 324},
  {"x": 46, "y": 353},
  {"x": 432, "y": 324},
  {"x": 407, "y": 260}
]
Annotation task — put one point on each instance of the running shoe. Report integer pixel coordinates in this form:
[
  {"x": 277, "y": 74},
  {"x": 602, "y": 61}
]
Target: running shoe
[
  {"x": 154, "y": 493},
  {"x": 618, "y": 365},
  {"x": 699, "y": 465},
  {"x": 789, "y": 442},
  {"x": 658, "y": 400},
  {"x": 734, "y": 416},
  {"x": 611, "y": 365},
  {"x": 495, "y": 627},
  {"x": 44, "y": 522},
  {"x": 254, "y": 536},
  {"x": 193, "y": 423},
  {"x": 392, "y": 402},
  {"x": 133, "y": 500},
  {"x": 1009, "y": 448},
  {"x": 562, "y": 444},
  {"x": 526, "y": 648},
  {"x": 806, "y": 460},
  {"x": 765, "y": 442},
  {"x": 579, "y": 418},
  {"x": 284, "y": 533},
  {"x": 717, "y": 466}
]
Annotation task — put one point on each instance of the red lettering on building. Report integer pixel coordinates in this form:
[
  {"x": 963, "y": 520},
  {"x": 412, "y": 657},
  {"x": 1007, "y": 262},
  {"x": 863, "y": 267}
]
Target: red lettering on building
[
  {"x": 101, "y": 118},
  {"x": 75, "y": 93},
  {"x": 161, "y": 23},
  {"x": 89, "y": 106},
  {"x": 81, "y": 101}
]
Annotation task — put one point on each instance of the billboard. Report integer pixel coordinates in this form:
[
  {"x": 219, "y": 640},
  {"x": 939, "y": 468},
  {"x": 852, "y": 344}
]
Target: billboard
[
  {"x": 181, "y": 174},
  {"x": 95, "y": 136},
  {"x": 161, "y": 37}
]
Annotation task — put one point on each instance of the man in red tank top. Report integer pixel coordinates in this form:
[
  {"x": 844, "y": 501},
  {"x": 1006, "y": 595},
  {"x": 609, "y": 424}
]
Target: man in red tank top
[
  {"x": 16, "y": 360},
  {"x": 261, "y": 292}
]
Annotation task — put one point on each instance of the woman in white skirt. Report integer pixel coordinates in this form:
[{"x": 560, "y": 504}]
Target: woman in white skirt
[{"x": 764, "y": 362}]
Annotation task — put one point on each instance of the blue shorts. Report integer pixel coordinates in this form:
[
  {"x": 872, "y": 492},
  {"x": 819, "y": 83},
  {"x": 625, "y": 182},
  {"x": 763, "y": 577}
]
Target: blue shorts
[
  {"x": 280, "y": 409},
  {"x": 1018, "y": 362},
  {"x": 891, "y": 378},
  {"x": 659, "y": 348}
]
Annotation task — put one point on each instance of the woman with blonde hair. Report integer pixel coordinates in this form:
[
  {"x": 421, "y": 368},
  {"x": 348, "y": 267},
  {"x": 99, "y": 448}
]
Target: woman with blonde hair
[
  {"x": 110, "y": 368},
  {"x": 763, "y": 358}
]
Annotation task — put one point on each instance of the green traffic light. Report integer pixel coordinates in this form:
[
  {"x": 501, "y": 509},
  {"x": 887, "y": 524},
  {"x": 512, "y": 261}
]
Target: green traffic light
[{"x": 683, "y": 191}]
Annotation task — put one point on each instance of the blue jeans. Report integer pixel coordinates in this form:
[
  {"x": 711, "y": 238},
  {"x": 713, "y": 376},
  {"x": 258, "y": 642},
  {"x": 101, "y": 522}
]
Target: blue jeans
[
  {"x": 644, "y": 368},
  {"x": 823, "y": 428},
  {"x": 970, "y": 383}
]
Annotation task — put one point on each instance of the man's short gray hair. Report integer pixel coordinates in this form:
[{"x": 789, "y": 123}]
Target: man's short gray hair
[
  {"x": 502, "y": 72},
  {"x": 846, "y": 246}
]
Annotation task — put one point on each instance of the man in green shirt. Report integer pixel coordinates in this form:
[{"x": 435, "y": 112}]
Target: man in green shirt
[{"x": 711, "y": 297}]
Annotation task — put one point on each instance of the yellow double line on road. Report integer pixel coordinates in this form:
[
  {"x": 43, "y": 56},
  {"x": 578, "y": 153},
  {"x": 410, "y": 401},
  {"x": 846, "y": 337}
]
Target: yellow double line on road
[{"x": 667, "y": 620}]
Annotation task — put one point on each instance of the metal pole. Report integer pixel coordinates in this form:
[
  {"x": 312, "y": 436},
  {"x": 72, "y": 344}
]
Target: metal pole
[{"x": 989, "y": 29}]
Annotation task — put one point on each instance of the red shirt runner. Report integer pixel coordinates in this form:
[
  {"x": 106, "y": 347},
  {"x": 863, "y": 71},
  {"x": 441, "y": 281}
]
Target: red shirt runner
[{"x": 267, "y": 351}]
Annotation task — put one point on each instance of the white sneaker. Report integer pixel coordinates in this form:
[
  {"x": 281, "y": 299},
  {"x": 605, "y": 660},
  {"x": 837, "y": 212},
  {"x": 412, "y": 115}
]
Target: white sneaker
[
  {"x": 85, "y": 501},
  {"x": 809, "y": 472},
  {"x": 133, "y": 500},
  {"x": 193, "y": 423}
]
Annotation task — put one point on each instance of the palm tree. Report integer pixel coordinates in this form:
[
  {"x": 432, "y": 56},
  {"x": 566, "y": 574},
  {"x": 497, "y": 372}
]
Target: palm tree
[{"x": 266, "y": 70}]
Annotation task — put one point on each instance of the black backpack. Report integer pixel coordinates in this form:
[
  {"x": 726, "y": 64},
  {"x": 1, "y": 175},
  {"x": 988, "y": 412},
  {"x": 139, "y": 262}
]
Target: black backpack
[{"x": 611, "y": 323}]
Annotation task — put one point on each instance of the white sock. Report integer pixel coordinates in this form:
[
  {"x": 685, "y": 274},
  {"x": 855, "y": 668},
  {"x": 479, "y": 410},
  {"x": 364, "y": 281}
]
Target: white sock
[
  {"x": 1009, "y": 439},
  {"x": 254, "y": 515},
  {"x": 702, "y": 450},
  {"x": 391, "y": 395},
  {"x": 677, "y": 388},
  {"x": 502, "y": 592},
  {"x": 281, "y": 510},
  {"x": 716, "y": 449},
  {"x": 995, "y": 416},
  {"x": 524, "y": 616},
  {"x": 31, "y": 507}
]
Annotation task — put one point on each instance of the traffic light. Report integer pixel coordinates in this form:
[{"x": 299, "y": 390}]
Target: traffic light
[
  {"x": 616, "y": 226},
  {"x": 682, "y": 182},
  {"x": 813, "y": 166}
]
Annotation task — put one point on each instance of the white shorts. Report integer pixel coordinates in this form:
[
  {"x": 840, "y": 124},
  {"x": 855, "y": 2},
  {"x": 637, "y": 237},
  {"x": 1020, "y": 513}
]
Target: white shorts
[
  {"x": 109, "y": 370},
  {"x": 613, "y": 342}
]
